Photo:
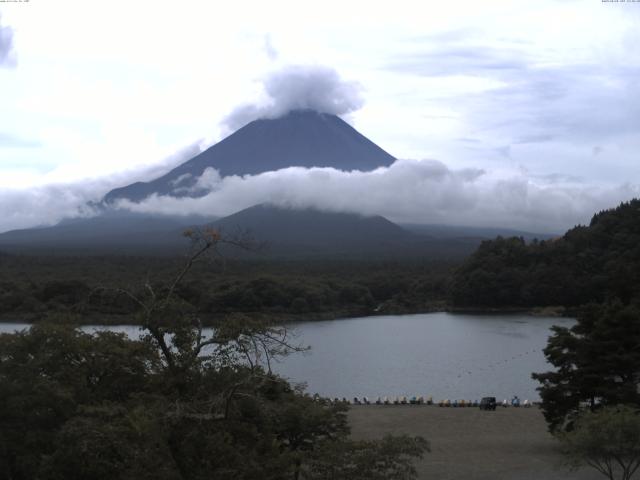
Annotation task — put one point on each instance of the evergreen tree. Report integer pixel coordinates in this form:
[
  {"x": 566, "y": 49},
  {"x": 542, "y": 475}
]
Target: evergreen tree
[{"x": 597, "y": 363}]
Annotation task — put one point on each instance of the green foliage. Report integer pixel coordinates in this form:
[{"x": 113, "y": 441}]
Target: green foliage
[
  {"x": 92, "y": 287},
  {"x": 48, "y": 373},
  {"x": 176, "y": 404},
  {"x": 110, "y": 441},
  {"x": 587, "y": 264},
  {"x": 607, "y": 440},
  {"x": 75, "y": 405},
  {"x": 597, "y": 363}
]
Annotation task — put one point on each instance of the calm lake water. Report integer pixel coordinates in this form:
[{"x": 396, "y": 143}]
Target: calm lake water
[{"x": 439, "y": 354}]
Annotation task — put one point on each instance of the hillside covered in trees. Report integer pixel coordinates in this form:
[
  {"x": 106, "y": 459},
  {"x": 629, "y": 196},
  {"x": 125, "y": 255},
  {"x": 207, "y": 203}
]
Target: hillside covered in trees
[
  {"x": 35, "y": 288},
  {"x": 588, "y": 264}
]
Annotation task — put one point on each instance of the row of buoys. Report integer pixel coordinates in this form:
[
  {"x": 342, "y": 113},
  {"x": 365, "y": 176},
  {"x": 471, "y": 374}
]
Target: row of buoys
[{"x": 500, "y": 362}]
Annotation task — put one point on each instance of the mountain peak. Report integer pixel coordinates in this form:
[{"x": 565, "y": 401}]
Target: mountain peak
[
  {"x": 301, "y": 113},
  {"x": 300, "y": 138}
]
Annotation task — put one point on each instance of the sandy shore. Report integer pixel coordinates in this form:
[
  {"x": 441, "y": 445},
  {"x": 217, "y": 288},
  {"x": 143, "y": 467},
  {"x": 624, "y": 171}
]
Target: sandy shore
[{"x": 470, "y": 444}]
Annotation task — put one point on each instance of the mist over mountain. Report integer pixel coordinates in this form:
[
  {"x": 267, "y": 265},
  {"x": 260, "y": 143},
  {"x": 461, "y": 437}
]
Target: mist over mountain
[
  {"x": 469, "y": 233},
  {"x": 110, "y": 232},
  {"x": 303, "y": 138},
  {"x": 310, "y": 230},
  {"x": 280, "y": 232},
  {"x": 299, "y": 87},
  {"x": 302, "y": 180},
  {"x": 303, "y": 154},
  {"x": 288, "y": 232}
]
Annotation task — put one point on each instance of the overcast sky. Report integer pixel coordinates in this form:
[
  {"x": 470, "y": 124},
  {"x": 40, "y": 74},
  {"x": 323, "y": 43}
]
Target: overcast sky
[{"x": 541, "y": 99}]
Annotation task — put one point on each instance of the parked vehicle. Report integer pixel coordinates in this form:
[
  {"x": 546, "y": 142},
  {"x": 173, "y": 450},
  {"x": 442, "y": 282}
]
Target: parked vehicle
[{"x": 488, "y": 403}]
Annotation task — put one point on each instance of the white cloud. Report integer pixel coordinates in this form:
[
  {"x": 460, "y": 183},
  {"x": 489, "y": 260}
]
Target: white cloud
[
  {"x": 47, "y": 204},
  {"x": 269, "y": 49},
  {"x": 299, "y": 87},
  {"x": 408, "y": 191}
]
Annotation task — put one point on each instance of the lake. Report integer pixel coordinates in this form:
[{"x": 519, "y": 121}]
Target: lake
[{"x": 439, "y": 354}]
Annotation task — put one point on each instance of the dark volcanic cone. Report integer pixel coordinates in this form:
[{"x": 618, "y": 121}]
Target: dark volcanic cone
[{"x": 302, "y": 138}]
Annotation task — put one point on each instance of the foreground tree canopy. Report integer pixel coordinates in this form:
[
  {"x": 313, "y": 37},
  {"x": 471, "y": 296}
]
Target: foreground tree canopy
[
  {"x": 607, "y": 440},
  {"x": 175, "y": 404}
]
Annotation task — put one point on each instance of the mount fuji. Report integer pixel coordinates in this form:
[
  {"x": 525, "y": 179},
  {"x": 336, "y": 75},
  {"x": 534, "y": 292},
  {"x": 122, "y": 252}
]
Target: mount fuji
[{"x": 301, "y": 138}]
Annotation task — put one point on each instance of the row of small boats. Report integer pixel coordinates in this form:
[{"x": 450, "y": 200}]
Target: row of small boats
[
  {"x": 384, "y": 401},
  {"x": 468, "y": 403},
  {"x": 402, "y": 400}
]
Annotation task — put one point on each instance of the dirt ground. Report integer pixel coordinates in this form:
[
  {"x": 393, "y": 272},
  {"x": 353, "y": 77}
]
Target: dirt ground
[{"x": 470, "y": 444}]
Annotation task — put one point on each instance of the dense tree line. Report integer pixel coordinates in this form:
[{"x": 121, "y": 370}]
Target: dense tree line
[
  {"x": 591, "y": 400},
  {"x": 588, "y": 264},
  {"x": 90, "y": 287}
]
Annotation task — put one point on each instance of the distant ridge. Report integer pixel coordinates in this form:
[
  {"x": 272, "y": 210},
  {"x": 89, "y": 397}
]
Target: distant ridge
[
  {"x": 313, "y": 231},
  {"x": 285, "y": 233},
  {"x": 110, "y": 232},
  {"x": 302, "y": 138},
  {"x": 307, "y": 232}
]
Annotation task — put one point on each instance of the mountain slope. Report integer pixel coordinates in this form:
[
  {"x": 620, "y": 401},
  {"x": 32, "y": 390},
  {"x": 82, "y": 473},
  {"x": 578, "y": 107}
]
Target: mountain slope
[
  {"x": 285, "y": 233},
  {"x": 308, "y": 230},
  {"x": 110, "y": 232},
  {"x": 301, "y": 138}
]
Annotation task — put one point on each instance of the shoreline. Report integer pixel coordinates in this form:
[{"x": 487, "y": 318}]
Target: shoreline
[{"x": 286, "y": 318}]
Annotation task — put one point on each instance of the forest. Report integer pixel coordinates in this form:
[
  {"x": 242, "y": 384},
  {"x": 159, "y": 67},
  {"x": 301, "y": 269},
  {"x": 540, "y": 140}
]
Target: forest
[
  {"x": 35, "y": 288},
  {"x": 587, "y": 264}
]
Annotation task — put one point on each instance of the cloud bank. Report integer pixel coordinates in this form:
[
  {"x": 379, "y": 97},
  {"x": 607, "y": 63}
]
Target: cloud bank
[
  {"x": 407, "y": 192},
  {"x": 298, "y": 87},
  {"x": 47, "y": 204}
]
